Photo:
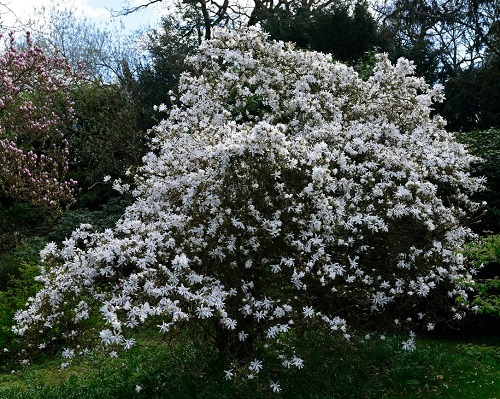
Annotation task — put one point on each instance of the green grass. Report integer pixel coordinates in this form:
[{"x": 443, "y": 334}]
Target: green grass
[
  {"x": 334, "y": 369},
  {"x": 445, "y": 369}
]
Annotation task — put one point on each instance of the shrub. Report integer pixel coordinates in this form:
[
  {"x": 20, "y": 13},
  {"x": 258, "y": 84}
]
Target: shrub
[
  {"x": 486, "y": 145},
  {"x": 18, "y": 269},
  {"x": 486, "y": 254},
  {"x": 107, "y": 138},
  {"x": 24, "y": 250},
  {"x": 283, "y": 193},
  {"x": 101, "y": 219}
]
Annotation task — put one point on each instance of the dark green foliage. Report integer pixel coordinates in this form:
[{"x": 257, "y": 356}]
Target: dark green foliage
[
  {"x": 25, "y": 250},
  {"x": 347, "y": 31},
  {"x": 473, "y": 98},
  {"x": 18, "y": 287},
  {"x": 408, "y": 23},
  {"x": 455, "y": 44},
  {"x": 425, "y": 57},
  {"x": 18, "y": 269},
  {"x": 167, "y": 49},
  {"x": 19, "y": 219},
  {"x": 485, "y": 251},
  {"x": 486, "y": 145},
  {"x": 101, "y": 218},
  {"x": 486, "y": 254},
  {"x": 108, "y": 138}
]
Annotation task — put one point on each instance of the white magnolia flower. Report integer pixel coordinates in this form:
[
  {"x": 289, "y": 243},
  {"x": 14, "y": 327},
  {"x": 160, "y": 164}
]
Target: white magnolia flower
[
  {"x": 275, "y": 387},
  {"x": 228, "y": 374},
  {"x": 409, "y": 345},
  {"x": 68, "y": 353},
  {"x": 255, "y": 365},
  {"x": 308, "y": 311}
]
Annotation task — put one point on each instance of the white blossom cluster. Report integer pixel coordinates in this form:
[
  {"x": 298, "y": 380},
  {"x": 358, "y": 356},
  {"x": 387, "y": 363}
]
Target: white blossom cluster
[{"x": 281, "y": 192}]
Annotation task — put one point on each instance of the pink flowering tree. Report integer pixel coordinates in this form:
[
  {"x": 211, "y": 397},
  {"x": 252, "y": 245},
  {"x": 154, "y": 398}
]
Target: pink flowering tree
[
  {"x": 35, "y": 110},
  {"x": 283, "y": 193}
]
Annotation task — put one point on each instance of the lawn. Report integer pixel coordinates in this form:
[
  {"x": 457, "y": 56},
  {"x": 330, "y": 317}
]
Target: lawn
[{"x": 375, "y": 368}]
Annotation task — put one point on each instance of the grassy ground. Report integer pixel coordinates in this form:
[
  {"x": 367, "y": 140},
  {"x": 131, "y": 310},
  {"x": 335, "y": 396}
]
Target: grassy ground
[{"x": 334, "y": 369}]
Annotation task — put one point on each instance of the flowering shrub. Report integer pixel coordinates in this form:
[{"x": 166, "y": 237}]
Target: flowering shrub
[
  {"x": 34, "y": 109},
  {"x": 282, "y": 192}
]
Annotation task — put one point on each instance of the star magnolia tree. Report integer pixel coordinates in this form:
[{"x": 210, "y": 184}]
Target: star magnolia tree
[
  {"x": 35, "y": 108},
  {"x": 282, "y": 193}
]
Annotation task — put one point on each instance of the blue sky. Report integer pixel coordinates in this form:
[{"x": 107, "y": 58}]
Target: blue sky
[{"x": 97, "y": 10}]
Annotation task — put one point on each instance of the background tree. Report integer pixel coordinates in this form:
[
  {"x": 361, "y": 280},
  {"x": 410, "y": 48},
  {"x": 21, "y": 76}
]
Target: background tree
[
  {"x": 35, "y": 112},
  {"x": 346, "y": 30},
  {"x": 167, "y": 48},
  {"x": 202, "y": 15},
  {"x": 106, "y": 140},
  {"x": 101, "y": 50},
  {"x": 449, "y": 35},
  {"x": 473, "y": 91},
  {"x": 105, "y": 130},
  {"x": 473, "y": 98},
  {"x": 5, "y": 9},
  {"x": 108, "y": 135}
]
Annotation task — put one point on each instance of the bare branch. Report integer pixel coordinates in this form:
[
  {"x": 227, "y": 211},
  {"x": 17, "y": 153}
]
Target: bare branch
[{"x": 131, "y": 10}]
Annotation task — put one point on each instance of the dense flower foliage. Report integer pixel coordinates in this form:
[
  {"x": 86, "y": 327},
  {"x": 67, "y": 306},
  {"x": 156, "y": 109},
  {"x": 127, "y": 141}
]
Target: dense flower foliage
[
  {"x": 281, "y": 192},
  {"x": 35, "y": 107}
]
